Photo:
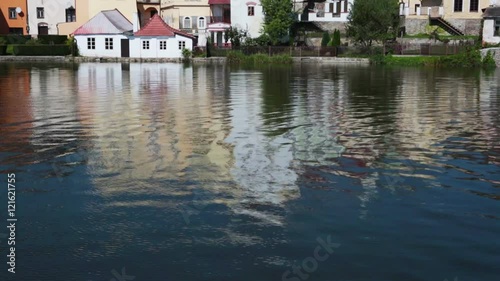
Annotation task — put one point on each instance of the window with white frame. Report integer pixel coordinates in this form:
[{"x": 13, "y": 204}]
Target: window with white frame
[
  {"x": 40, "y": 13},
  {"x": 186, "y": 23},
  {"x": 145, "y": 45},
  {"x": 91, "y": 43},
  {"x": 163, "y": 44},
  {"x": 12, "y": 13},
  {"x": 201, "y": 22},
  {"x": 458, "y": 5},
  {"x": 251, "y": 11},
  {"x": 182, "y": 45},
  {"x": 108, "y": 43}
]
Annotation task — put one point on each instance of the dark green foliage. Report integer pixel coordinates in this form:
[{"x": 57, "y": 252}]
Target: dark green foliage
[
  {"x": 235, "y": 35},
  {"x": 73, "y": 46},
  {"x": 3, "y": 50},
  {"x": 238, "y": 57},
  {"x": 41, "y": 50},
  {"x": 336, "y": 38},
  {"x": 15, "y": 39},
  {"x": 373, "y": 20},
  {"x": 52, "y": 39},
  {"x": 278, "y": 19},
  {"x": 207, "y": 46},
  {"x": 325, "y": 39},
  {"x": 471, "y": 58}
]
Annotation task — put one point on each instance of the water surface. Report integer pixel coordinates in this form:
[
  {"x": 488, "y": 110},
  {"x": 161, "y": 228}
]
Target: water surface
[{"x": 173, "y": 172}]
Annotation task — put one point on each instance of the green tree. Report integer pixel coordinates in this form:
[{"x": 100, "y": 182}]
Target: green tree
[
  {"x": 325, "y": 39},
  {"x": 278, "y": 19},
  {"x": 336, "y": 38},
  {"x": 373, "y": 20}
]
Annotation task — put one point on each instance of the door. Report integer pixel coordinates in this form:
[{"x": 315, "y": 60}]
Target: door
[
  {"x": 43, "y": 30},
  {"x": 125, "y": 48}
]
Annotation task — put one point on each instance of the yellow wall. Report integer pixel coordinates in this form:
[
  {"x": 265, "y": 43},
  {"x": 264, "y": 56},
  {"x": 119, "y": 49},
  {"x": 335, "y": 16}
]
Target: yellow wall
[
  {"x": 465, "y": 14},
  {"x": 177, "y": 9},
  {"x": 82, "y": 16}
]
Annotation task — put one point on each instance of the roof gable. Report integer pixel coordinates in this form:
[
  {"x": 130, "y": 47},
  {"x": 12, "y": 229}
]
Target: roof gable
[
  {"x": 106, "y": 22},
  {"x": 157, "y": 27}
]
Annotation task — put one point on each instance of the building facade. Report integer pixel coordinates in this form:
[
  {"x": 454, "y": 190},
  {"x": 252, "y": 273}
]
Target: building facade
[
  {"x": 13, "y": 17},
  {"x": 191, "y": 17},
  {"x": 457, "y": 17},
  {"x": 147, "y": 9},
  {"x": 45, "y": 16},
  {"x": 86, "y": 9},
  {"x": 247, "y": 15}
]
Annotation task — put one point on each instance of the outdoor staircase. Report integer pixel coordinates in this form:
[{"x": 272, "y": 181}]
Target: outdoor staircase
[{"x": 439, "y": 21}]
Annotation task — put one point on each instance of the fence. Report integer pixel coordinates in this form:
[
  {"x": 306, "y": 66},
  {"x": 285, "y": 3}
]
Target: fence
[{"x": 306, "y": 51}]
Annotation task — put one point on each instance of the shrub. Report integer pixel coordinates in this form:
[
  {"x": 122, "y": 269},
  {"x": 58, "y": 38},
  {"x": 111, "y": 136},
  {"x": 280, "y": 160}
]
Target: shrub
[
  {"x": 336, "y": 38},
  {"x": 3, "y": 50},
  {"x": 325, "y": 39},
  {"x": 15, "y": 38},
  {"x": 41, "y": 50},
  {"x": 186, "y": 54},
  {"x": 73, "y": 46},
  {"x": 235, "y": 57},
  {"x": 52, "y": 39},
  {"x": 489, "y": 61}
]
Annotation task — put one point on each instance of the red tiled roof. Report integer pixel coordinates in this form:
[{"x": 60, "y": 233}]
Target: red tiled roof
[
  {"x": 219, "y": 2},
  {"x": 157, "y": 27}
]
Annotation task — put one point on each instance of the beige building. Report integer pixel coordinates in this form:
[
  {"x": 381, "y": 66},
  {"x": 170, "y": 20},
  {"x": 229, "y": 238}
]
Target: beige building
[
  {"x": 86, "y": 9},
  {"x": 457, "y": 17},
  {"x": 189, "y": 16}
]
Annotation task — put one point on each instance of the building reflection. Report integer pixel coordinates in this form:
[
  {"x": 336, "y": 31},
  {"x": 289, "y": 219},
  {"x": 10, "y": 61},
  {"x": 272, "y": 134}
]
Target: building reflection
[{"x": 16, "y": 111}]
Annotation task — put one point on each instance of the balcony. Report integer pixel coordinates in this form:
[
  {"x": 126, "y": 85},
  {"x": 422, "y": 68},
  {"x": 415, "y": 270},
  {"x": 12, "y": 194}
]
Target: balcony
[
  {"x": 225, "y": 19},
  {"x": 432, "y": 12}
]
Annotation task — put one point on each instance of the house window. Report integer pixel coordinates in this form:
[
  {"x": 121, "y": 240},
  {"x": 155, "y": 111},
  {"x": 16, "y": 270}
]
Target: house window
[
  {"x": 497, "y": 28},
  {"x": 163, "y": 45},
  {"x": 91, "y": 43},
  {"x": 108, "y": 43},
  {"x": 187, "y": 22},
  {"x": 70, "y": 14},
  {"x": 458, "y": 5},
  {"x": 40, "y": 13},
  {"x": 201, "y": 22},
  {"x": 251, "y": 11},
  {"x": 182, "y": 45},
  {"x": 145, "y": 45},
  {"x": 12, "y": 13},
  {"x": 474, "y": 6}
]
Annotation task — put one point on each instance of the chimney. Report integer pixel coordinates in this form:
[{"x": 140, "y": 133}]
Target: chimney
[{"x": 135, "y": 22}]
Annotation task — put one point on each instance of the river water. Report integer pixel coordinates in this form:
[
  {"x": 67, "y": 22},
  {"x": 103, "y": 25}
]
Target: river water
[{"x": 309, "y": 172}]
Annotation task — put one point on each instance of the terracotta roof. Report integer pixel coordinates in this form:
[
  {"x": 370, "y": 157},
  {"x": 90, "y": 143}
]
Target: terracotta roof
[
  {"x": 157, "y": 27},
  {"x": 219, "y": 2},
  {"x": 106, "y": 22}
]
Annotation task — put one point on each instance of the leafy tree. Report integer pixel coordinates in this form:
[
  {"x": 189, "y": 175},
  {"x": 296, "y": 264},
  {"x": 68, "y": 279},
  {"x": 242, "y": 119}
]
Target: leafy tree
[
  {"x": 235, "y": 35},
  {"x": 278, "y": 19},
  {"x": 373, "y": 20},
  {"x": 325, "y": 39}
]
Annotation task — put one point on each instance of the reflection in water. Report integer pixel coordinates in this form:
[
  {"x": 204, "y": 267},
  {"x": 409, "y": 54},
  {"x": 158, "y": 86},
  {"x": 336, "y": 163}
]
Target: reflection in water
[{"x": 167, "y": 158}]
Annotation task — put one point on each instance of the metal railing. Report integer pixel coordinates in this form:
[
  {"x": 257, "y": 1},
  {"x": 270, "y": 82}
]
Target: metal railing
[{"x": 220, "y": 19}]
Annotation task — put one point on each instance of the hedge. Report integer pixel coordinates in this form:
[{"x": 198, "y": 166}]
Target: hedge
[
  {"x": 52, "y": 39},
  {"x": 41, "y": 50},
  {"x": 3, "y": 50},
  {"x": 15, "y": 38}
]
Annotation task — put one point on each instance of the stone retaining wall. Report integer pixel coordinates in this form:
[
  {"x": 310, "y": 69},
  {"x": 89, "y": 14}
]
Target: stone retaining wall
[{"x": 213, "y": 60}]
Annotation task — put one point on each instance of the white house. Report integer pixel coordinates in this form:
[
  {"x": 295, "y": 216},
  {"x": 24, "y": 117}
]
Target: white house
[
  {"x": 159, "y": 40},
  {"x": 45, "y": 16},
  {"x": 105, "y": 35},
  {"x": 247, "y": 15},
  {"x": 327, "y": 11},
  {"x": 491, "y": 25}
]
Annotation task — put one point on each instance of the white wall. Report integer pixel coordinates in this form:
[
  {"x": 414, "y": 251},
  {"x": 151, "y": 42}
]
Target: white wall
[
  {"x": 100, "y": 49},
  {"x": 488, "y": 31},
  {"x": 241, "y": 19},
  {"x": 55, "y": 12},
  {"x": 172, "y": 51}
]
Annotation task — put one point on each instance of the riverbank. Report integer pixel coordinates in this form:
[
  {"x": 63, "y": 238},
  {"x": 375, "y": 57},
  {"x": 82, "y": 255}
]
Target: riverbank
[{"x": 212, "y": 60}]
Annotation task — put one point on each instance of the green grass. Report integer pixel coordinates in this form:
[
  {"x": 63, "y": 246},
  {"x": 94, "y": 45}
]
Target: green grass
[
  {"x": 237, "y": 57},
  {"x": 449, "y": 37},
  {"x": 468, "y": 59}
]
